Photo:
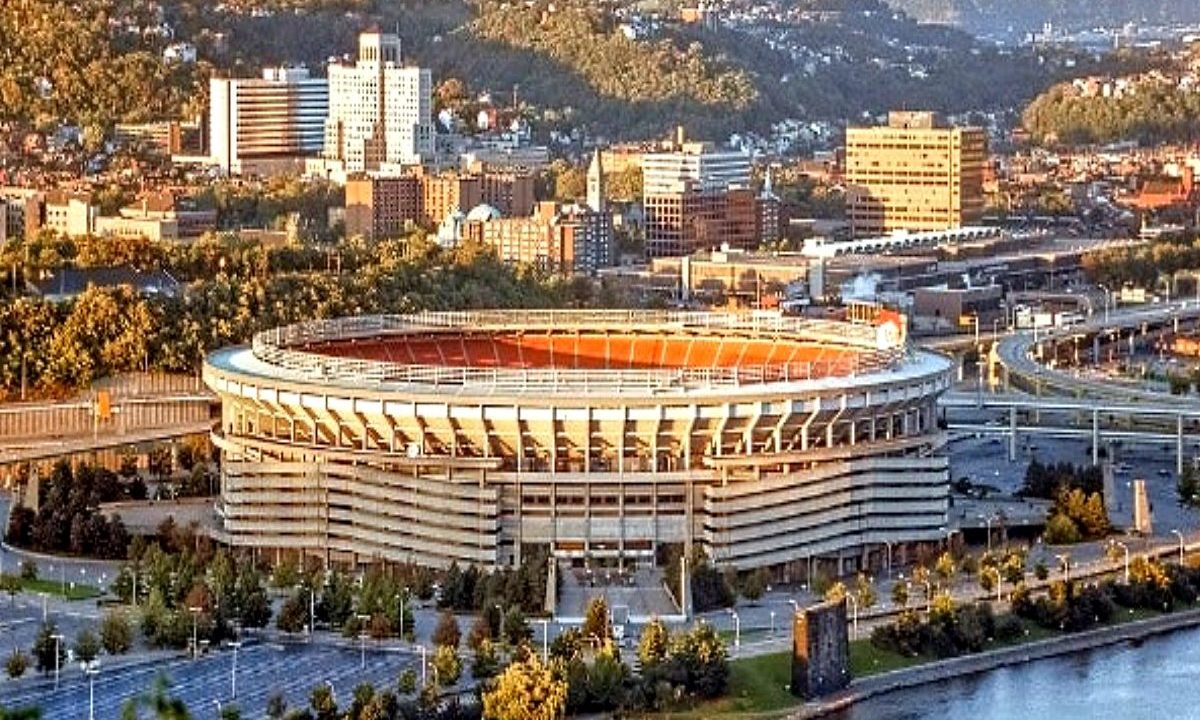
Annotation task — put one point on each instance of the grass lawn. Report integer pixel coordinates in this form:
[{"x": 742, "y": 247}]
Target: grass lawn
[{"x": 54, "y": 587}]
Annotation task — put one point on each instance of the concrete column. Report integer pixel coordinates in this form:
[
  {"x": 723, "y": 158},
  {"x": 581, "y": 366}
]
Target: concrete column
[
  {"x": 1012, "y": 434},
  {"x": 1179, "y": 444}
]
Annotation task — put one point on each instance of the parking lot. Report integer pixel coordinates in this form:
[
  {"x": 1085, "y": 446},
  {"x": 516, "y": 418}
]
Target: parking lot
[{"x": 203, "y": 684}]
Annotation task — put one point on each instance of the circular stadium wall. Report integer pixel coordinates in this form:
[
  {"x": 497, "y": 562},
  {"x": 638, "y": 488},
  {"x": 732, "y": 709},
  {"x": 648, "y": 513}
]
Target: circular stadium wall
[{"x": 469, "y": 437}]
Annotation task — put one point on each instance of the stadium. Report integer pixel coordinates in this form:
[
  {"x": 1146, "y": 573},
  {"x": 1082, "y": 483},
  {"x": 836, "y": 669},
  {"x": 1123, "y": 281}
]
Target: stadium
[{"x": 475, "y": 437}]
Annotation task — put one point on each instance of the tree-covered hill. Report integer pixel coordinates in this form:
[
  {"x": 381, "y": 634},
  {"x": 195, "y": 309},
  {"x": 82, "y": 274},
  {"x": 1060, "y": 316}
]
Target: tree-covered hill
[{"x": 97, "y": 62}]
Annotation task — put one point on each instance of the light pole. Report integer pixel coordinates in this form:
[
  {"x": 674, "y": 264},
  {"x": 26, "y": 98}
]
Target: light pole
[
  {"x": 999, "y": 582},
  {"x": 1065, "y": 561},
  {"x": 737, "y": 630},
  {"x": 423, "y": 678},
  {"x": 988, "y": 520},
  {"x": 92, "y": 669},
  {"x": 1179, "y": 535},
  {"x": 195, "y": 611},
  {"x": 362, "y": 641},
  {"x": 58, "y": 638},
  {"x": 854, "y": 615},
  {"x": 1124, "y": 547},
  {"x": 928, "y": 595},
  {"x": 545, "y": 640},
  {"x": 795, "y": 605},
  {"x": 235, "y": 644},
  {"x": 312, "y": 613}
]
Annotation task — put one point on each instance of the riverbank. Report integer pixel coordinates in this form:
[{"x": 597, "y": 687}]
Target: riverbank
[{"x": 883, "y": 683}]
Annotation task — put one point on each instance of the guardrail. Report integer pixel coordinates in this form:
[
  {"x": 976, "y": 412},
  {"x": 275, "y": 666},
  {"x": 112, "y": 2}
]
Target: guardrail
[{"x": 278, "y": 348}]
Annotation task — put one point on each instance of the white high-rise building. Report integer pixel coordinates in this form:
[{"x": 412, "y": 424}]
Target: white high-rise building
[
  {"x": 258, "y": 125},
  {"x": 380, "y": 112}
]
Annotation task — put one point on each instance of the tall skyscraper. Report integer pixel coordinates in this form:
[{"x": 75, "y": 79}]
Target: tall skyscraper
[
  {"x": 258, "y": 125},
  {"x": 914, "y": 174},
  {"x": 380, "y": 112}
]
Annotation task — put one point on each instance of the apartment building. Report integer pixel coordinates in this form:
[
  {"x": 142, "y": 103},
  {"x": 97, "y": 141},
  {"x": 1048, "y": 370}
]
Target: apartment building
[
  {"x": 916, "y": 173},
  {"x": 380, "y": 112},
  {"x": 384, "y": 205},
  {"x": 564, "y": 240},
  {"x": 267, "y": 125}
]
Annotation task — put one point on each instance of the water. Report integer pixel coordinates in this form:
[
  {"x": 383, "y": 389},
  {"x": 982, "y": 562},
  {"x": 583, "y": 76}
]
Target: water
[{"x": 1157, "y": 679}]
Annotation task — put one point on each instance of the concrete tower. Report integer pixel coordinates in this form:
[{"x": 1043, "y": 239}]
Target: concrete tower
[{"x": 595, "y": 183}]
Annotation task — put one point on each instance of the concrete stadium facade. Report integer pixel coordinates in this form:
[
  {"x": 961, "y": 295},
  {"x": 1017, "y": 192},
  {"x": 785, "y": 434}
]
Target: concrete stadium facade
[{"x": 473, "y": 437}]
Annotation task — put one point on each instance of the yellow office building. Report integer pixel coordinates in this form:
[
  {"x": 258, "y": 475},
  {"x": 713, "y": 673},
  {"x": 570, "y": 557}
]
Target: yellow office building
[{"x": 916, "y": 174}]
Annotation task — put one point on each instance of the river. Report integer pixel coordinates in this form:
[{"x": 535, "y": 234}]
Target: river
[{"x": 1156, "y": 679}]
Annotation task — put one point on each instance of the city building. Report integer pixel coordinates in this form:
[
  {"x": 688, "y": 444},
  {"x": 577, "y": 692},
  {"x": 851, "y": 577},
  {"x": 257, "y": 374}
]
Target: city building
[
  {"x": 267, "y": 125},
  {"x": 379, "y": 205},
  {"x": 562, "y": 239},
  {"x": 70, "y": 214},
  {"x": 916, "y": 173},
  {"x": 477, "y": 437},
  {"x": 24, "y": 211},
  {"x": 380, "y": 111},
  {"x": 696, "y": 197}
]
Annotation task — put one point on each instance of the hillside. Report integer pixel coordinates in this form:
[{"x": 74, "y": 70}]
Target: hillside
[
  {"x": 571, "y": 63},
  {"x": 1157, "y": 105},
  {"x": 1021, "y": 16},
  {"x": 84, "y": 61}
]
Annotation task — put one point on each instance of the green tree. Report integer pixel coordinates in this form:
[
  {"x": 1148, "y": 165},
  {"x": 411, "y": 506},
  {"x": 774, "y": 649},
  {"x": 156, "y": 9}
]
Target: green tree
[
  {"x": 526, "y": 690},
  {"x": 864, "y": 591},
  {"x": 596, "y": 620},
  {"x": 87, "y": 646},
  {"x": 293, "y": 614},
  {"x": 486, "y": 663},
  {"x": 900, "y": 594},
  {"x": 46, "y": 648},
  {"x": 17, "y": 664},
  {"x": 322, "y": 703},
  {"x": 654, "y": 644},
  {"x": 446, "y": 665},
  {"x": 516, "y": 627},
  {"x": 1061, "y": 530},
  {"x": 276, "y": 706},
  {"x": 1187, "y": 487},
  {"x": 158, "y": 702},
  {"x": 406, "y": 682}
]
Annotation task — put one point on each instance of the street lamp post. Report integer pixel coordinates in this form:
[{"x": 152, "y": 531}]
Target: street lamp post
[
  {"x": 92, "y": 669},
  {"x": 888, "y": 544},
  {"x": 423, "y": 677},
  {"x": 854, "y": 615},
  {"x": 737, "y": 630},
  {"x": 58, "y": 638},
  {"x": 772, "y": 623},
  {"x": 545, "y": 640},
  {"x": 1179, "y": 535},
  {"x": 362, "y": 641},
  {"x": 235, "y": 644},
  {"x": 1124, "y": 547},
  {"x": 1065, "y": 561},
  {"x": 195, "y": 639},
  {"x": 988, "y": 520},
  {"x": 999, "y": 583}
]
